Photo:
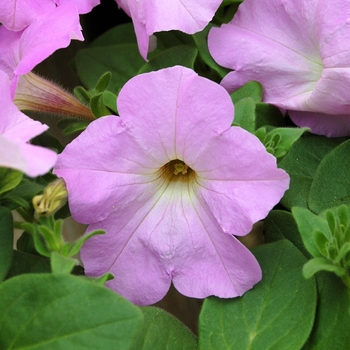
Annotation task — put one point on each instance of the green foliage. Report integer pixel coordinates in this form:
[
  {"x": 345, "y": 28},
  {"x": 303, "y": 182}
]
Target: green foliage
[
  {"x": 9, "y": 179},
  {"x": 161, "y": 331},
  {"x": 278, "y": 313},
  {"x": 51, "y": 311},
  {"x": 6, "y": 241}
]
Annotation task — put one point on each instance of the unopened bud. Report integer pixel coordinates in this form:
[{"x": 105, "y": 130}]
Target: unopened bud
[{"x": 54, "y": 198}]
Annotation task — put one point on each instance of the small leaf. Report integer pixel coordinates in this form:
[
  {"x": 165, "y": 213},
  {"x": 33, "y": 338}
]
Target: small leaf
[
  {"x": 245, "y": 114},
  {"x": 75, "y": 127},
  {"x": 307, "y": 224},
  {"x": 9, "y": 179},
  {"x": 253, "y": 89},
  {"x": 76, "y": 246},
  {"x": 98, "y": 107},
  {"x": 62, "y": 264},
  {"x": 82, "y": 95},
  {"x": 321, "y": 264},
  {"x": 103, "y": 82},
  {"x": 267, "y": 114},
  {"x": 110, "y": 101},
  {"x": 103, "y": 279}
]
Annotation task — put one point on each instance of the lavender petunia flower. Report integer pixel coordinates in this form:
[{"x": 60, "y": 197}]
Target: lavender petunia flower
[
  {"x": 171, "y": 182},
  {"x": 189, "y": 16},
  {"x": 18, "y": 14},
  {"x": 16, "y": 129},
  {"x": 21, "y": 51},
  {"x": 299, "y": 50}
]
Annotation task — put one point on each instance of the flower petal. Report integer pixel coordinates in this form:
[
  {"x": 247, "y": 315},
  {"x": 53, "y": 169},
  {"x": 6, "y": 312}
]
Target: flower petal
[
  {"x": 170, "y": 237},
  {"x": 239, "y": 182},
  {"x": 189, "y": 110}
]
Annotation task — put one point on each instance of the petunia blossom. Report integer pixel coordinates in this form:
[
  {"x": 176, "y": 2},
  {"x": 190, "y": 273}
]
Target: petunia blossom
[
  {"x": 16, "y": 129},
  {"x": 21, "y": 51},
  {"x": 171, "y": 182},
  {"x": 299, "y": 50},
  {"x": 18, "y": 14},
  {"x": 189, "y": 16}
]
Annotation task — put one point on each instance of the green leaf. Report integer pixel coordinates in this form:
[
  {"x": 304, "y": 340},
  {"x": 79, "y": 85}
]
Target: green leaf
[
  {"x": 110, "y": 101},
  {"x": 268, "y": 115},
  {"x": 98, "y": 107},
  {"x": 162, "y": 331},
  {"x": 201, "y": 41},
  {"x": 75, "y": 127},
  {"x": 253, "y": 89},
  {"x": 103, "y": 82},
  {"x": 82, "y": 95},
  {"x": 6, "y": 241},
  {"x": 183, "y": 55},
  {"x": 301, "y": 164},
  {"x": 168, "y": 39},
  {"x": 287, "y": 137},
  {"x": 321, "y": 264},
  {"x": 307, "y": 224},
  {"x": 278, "y": 313},
  {"x": 280, "y": 224},
  {"x": 331, "y": 328},
  {"x": 62, "y": 264},
  {"x": 123, "y": 61},
  {"x": 121, "y": 34},
  {"x": 52, "y": 311},
  {"x": 23, "y": 263},
  {"x": 331, "y": 186},
  {"x": 9, "y": 179},
  {"x": 76, "y": 246},
  {"x": 245, "y": 114}
]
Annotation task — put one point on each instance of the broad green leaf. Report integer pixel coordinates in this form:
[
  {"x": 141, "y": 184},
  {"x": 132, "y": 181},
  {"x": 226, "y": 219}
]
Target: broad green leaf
[
  {"x": 301, "y": 164},
  {"x": 280, "y": 224},
  {"x": 123, "y": 61},
  {"x": 331, "y": 186},
  {"x": 308, "y": 223},
  {"x": 9, "y": 179},
  {"x": 49, "y": 311},
  {"x": 62, "y": 264},
  {"x": 121, "y": 34},
  {"x": 253, "y": 89},
  {"x": 268, "y": 115},
  {"x": 278, "y": 313},
  {"x": 321, "y": 264},
  {"x": 168, "y": 39},
  {"x": 331, "y": 328},
  {"x": 6, "y": 241},
  {"x": 162, "y": 331},
  {"x": 201, "y": 41},
  {"x": 23, "y": 263},
  {"x": 182, "y": 55},
  {"x": 245, "y": 114}
]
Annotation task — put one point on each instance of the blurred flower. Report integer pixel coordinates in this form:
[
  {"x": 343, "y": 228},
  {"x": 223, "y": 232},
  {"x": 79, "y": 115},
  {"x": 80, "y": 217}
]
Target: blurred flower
[
  {"x": 171, "y": 182},
  {"x": 16, "y": 129},
  {"x": 18, "y": 14},
  {"x": 189, "y": 16},
  {"x": 299, "y": 50}
]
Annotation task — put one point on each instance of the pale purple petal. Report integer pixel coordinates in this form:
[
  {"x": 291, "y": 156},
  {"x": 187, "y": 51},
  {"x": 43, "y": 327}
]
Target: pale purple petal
[
  {"x": 16, "y": 129},
  {"x": 22, "y": 51},
  {"x": 18, "y": 14},
  {"x": 187, "y": 113},
  {"x": 298, "y": 50},
  {"x": 170, "y": 238},
  {"x": 83, "y": 6},
  {"x": 189, "y": 16},
  {"x": 113, "y": 165}
]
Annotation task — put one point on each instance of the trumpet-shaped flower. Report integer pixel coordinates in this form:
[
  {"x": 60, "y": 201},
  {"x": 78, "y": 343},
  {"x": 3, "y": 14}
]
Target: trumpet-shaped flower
[
  {"x": 21, "y": 51},
  {"x": 299, "y": 50},
  {"x": 16, "y": 129},
  {"x": 189, "y": 16},
  {"x": 18, "y": 14},
  {"x": 171, "y": 182}
]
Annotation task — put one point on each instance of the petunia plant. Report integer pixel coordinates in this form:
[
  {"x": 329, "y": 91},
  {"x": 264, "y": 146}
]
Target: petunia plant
[{"x": 182, "y": 182}]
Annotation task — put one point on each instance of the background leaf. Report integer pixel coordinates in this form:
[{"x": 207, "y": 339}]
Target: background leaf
[
  {"x": 49, "y": 311},
  {"x": 6, "y": 241},
  {"x": 278, "y": 313},
  {"x": 162, "y": 331}
]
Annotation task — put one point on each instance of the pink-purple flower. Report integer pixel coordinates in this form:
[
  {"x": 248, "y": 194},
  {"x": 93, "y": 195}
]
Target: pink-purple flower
[
  {"x": 299, "y": 50},
  {"x": 189, "y": 16},
  {"x": 21, "y": 51},
  {"x": 16, "y": 129},
  {"x": 171, "y": 182}
]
